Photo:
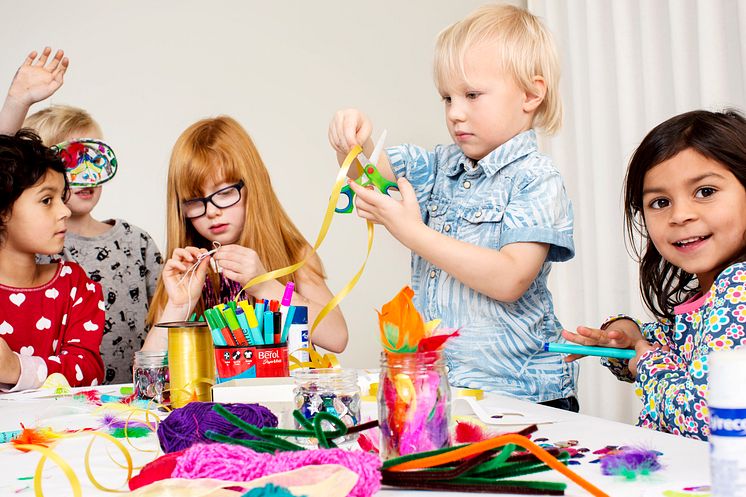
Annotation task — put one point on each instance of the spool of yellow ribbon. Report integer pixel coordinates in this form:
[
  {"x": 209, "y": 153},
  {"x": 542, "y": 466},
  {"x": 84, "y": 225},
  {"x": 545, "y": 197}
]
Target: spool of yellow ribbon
[
  {"x": 191, "y": 365},
  {"x": 328, "y": 215}
]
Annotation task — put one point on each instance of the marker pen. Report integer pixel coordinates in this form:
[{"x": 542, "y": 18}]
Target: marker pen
[
  {"x": 236, "y": 331},
  {"x": 259, "y": 310},
  {"x": 571, "y": 348},
  {"x": 286, "y": 325},
  {"x": 254, "y": 328},
  {"x": 269, "y": 329},
  {"x": 287, "y": 297},
  {"x": 217, "y": 336},
  {"x": 223, "y": 327},
  {"x": 276, "y": 326}
]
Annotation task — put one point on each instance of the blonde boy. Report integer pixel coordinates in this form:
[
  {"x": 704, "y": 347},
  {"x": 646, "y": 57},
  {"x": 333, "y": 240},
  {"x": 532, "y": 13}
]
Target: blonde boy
[{"x": 485, "y": 216}]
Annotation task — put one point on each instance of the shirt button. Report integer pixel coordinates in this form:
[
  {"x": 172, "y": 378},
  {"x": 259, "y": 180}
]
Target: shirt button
[
  {"x": 433, "y": 208},
  {"x": 433, "y": 273},
  {"x": 478, "y": 214},
  {"x": 447, "y": 228},
  {"x": 467, "y": 184}
]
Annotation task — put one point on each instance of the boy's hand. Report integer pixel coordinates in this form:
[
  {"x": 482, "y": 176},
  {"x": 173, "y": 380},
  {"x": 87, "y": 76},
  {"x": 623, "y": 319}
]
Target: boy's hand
[
  {"x": 610, "y": 337},
  {"x": 38, "y": 79},
  {"x": 400, "y": 217},
  {"x": 348, "y": 128},
  {"x": 240, "y": 264},
  {"x": 183, "y": 288}
]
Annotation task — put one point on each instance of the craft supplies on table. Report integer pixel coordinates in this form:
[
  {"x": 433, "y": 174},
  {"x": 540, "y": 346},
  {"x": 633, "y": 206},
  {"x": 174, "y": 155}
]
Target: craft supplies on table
[
  {"x": 334, "y": 391},
  {"x": 414, "y": 403},
  {"x": 150, "y": 376}
]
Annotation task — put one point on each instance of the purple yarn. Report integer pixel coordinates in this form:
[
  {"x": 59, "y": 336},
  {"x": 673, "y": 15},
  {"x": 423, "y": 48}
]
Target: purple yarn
[{"x": 187, "y": 425}]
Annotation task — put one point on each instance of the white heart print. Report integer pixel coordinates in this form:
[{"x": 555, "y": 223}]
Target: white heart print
[
  {"x": 51, "y": 293},
  {"x": 90, "y": 326},
  {"x": 29, "y": 351},
  {"x": 6, "y": 328},
  {"x": 78, "y": 373},
  {"x": 65, "y": 270},
  {"x": 90, "y": 286},
  {"x": 73, "y": 291},
  {"x": 17, "y": 298},
  {"x": 43, "y": 324}
]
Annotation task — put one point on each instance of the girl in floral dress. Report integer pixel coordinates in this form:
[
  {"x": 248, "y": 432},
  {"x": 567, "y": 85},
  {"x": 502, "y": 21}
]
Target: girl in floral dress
[{"x": 685, "y": 195}]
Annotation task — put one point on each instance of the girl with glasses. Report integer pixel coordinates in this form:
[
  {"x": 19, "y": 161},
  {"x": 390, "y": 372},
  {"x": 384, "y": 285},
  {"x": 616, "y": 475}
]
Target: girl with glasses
[{"x": 220, "y": 195}]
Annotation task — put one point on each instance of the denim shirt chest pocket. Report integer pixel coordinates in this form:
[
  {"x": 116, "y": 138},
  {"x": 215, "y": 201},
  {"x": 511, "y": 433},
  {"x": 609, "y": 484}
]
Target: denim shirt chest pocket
[
  {"x": 437, "y": 208},
  {"x": 481, "y": 224}
]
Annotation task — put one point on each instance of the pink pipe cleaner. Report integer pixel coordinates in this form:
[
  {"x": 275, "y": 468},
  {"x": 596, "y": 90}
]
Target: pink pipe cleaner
[{"x": 236, "y": 463}]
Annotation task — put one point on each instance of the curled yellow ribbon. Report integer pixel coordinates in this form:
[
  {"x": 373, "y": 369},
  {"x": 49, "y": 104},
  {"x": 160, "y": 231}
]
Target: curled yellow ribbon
[
  {"x": 49, "y": 453},
  {"x": 315, "y": 360},
  {"x": 328, "y": 216}
]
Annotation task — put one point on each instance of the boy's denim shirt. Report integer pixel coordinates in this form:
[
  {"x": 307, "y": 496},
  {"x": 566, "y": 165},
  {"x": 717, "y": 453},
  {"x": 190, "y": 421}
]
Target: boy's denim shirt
[{"x": 514, "y": 194}]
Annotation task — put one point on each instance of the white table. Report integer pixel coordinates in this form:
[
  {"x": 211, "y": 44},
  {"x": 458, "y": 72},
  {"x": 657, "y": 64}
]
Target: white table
[{"x": 686, "y": 461}]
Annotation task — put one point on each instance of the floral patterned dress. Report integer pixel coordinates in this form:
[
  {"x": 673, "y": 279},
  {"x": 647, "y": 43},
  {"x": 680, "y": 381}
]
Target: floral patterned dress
[{"x": 673, "y": 384}]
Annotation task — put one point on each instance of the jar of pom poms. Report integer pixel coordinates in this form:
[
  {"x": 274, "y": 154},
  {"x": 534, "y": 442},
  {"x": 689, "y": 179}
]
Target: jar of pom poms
[
  {"x": 330, "y": 390},
  {"x": 150, "y": 376},
  {"x": 414, "y": 403}
]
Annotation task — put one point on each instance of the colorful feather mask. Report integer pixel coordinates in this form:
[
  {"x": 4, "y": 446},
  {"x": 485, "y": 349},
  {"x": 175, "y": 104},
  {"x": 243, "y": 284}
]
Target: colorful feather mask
[
  {"x": 88, "y": 162},
  {"x": 404, "y": 331}
]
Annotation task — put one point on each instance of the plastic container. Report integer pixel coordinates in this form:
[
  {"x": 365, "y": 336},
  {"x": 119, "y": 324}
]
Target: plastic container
[
  {"x": 726, "y": 400},
  {"x": 335, "y": 391},
  {"x": 150, "y": 376},
  {"x": 414, "y": 403}
]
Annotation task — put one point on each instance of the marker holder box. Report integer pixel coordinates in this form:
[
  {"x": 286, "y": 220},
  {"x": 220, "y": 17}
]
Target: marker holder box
[{"x": 262, "y": 361}]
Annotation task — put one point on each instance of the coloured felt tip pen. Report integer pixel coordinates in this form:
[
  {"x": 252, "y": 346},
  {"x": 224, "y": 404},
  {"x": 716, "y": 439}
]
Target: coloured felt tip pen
[
  {"x": 286, "y": 325},
  {"x": 269, "y": 327},
  {"x": 230, "y": 318},
  {"x": 254, "y": 328},
  {"x": 287, "y": 297},
  {"x": 217, "y": 336},
  {"x": 571, "y": 348},
  {"x": 223, "y": 327},
  {"x": 244, "y": 324}
]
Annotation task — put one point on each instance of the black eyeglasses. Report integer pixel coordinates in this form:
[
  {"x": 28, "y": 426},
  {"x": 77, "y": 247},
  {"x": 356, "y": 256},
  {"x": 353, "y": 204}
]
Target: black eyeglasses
[{"x": 222, "y": 199}]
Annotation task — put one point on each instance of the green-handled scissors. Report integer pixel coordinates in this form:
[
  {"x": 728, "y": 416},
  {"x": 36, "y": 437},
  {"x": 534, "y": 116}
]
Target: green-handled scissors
[{"x": 369, "y": 176}]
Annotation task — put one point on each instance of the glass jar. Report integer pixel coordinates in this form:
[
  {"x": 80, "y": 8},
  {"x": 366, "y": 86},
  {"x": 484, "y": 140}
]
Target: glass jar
[
  {"x": 150, "y": 376},
  {"x": 414, "y": 403},
  {"x": 335, "y": 391}
]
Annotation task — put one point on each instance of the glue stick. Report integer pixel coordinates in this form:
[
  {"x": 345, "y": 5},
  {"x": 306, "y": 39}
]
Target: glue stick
[{"x": 727, "y": 404}]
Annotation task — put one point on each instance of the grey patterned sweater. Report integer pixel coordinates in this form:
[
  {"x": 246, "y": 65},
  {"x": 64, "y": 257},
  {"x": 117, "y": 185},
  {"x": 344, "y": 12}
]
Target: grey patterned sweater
[{"x": 126, "y": 262}]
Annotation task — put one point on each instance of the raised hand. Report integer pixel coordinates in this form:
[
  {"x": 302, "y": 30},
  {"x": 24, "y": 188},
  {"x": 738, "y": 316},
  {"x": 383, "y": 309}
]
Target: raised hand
[{"x": 38, "y": 78}]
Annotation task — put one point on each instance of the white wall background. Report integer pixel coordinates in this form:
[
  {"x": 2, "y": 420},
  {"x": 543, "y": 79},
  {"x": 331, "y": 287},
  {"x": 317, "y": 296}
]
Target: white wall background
[{"x": 146, "y": 70}]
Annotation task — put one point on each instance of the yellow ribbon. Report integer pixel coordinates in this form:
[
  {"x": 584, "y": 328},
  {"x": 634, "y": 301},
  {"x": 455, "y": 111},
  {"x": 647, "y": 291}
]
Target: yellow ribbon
[
  {"x": 315, "y": 360},
  {"x": 48, "y": 453},
  {"x": 328, "y": 216}
]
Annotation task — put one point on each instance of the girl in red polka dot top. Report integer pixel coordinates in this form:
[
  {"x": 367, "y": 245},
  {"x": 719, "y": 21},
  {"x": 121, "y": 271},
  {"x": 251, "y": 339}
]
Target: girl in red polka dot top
[{"x": 51, "y": 315}]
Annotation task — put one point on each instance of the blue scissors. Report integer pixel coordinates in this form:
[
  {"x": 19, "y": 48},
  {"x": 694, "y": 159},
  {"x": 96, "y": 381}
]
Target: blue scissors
[{"x": 369, "y": 176}]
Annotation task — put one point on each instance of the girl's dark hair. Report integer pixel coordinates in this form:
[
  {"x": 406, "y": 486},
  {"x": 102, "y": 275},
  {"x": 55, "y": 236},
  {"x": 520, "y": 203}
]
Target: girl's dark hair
[
  {"x": 24, "y": 160},
  {"x": 719, "y": 136}
]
